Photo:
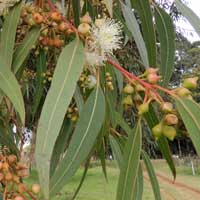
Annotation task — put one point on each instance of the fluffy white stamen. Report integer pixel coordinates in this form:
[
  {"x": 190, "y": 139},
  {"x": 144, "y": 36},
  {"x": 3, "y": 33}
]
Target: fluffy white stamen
[{"x": 105, "y": 37}]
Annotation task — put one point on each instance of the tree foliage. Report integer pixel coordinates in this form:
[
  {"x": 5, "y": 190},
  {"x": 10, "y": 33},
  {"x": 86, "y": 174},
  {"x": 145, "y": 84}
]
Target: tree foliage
[{"x": 61, "y": 77}]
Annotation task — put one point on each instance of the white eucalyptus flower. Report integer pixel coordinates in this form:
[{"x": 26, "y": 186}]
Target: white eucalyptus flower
[
  {"x": 106, "y": 35},
  {"x": 94, "y": 59}
]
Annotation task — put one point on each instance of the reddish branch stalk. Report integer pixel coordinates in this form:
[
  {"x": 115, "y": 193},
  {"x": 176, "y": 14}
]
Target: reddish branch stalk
[{"x": 126, "y": 73}]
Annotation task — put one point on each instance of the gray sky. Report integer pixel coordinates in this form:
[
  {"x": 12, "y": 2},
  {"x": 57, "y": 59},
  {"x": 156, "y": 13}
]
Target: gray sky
[{"x": 189, "y": 30}]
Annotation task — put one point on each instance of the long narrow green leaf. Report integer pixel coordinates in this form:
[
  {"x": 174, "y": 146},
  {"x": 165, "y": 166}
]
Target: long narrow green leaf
[
  {"x": 67, "y": 72},
  {"x": 102, "y": 156},
  {"x": 41, "y": 69},
  {"x": 10, "y": 87},
  {"x": 135, "y": 30},
  {"x": 24, "y": 48},
  {"x": 139, "y": 184},
  {"x": 152, "y": 176},
  {"x": 83, "y": 139},
  {"x": 152, "y": 120},
  {"x": 129, "y": 171},
  {"x": 145, "y": 14},
  {"x": 190, "y": 114},
  {"x": 76, "y": 11},
  {"x": 190, "y": 15},
  {"x": 121, "y": 122},
  {"x": 8, "y": 34},
  {"x": 117, "y": 151},
  {"x": 165, "y": 28},
  {"x": 82, "y": 180},
  {"x": 60, "y": 145}
]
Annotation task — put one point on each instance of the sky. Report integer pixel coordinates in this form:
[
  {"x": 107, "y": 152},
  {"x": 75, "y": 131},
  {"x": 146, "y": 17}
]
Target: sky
[{"x": 189, "y": 30}]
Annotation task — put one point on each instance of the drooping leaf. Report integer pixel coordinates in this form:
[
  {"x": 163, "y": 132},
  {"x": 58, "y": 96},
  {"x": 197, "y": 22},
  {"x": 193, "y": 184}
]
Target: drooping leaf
[
  {"x": 8, "y": 34},
  {"x": 102, "y": 156},
  {"x": 152, "y": 176},
  {"x": 165, "y": 29},
  {"x": 121, "y": 122},
  {"x": 76, "y": 11},
  {"x": 24, "y": 48},
  {"x": 152, "y": 119},
  {"x": 145, "y": 13},
  {"x": 139, "y": 185},
  {"x": 136, "y": 33},
  {"x": 117, "y": 14},
  {"x": 117, "y": 151},
  {"x": 41, "y": 69},
  {"x": 67, "y": 72},
  {"x": 190, "y": 15},
  {"x": 10, "y": 87},
  {"x": 82, "y": 180},
  {"x": 83, "y": 139},
  {"x": 131, "y": 161},
  {"x": 190, "y": 114},
  {"x": 60, "y": 145}
]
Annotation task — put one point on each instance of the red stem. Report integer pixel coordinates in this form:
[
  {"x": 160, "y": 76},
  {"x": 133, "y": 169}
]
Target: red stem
[{"x": 126, "y": 73}]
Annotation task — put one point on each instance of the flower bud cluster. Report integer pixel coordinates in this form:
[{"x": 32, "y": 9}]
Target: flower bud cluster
[
  {"x": 72, "y": 113},
  {"x": 11, "y": 174},
  {"x": 53, "y": 28}
]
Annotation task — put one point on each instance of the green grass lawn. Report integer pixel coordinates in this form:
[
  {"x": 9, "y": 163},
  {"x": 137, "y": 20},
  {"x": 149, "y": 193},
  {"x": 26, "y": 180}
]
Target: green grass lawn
[{"x": 95, "y": 186}]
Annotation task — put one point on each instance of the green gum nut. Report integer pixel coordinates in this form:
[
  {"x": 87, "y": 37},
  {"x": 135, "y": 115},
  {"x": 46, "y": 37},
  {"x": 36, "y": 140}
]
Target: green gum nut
[
  {"x": 157, "y": 130},
  {"x": 169, "y": 132},
  {"x": 166, "y": 107},
  {"x": 190, "y": 83},
  {"x": 127, "y": 101},
  {"x": 128, "y": 89},
  {"x": 182, "y": 92},
  {"x": 143, "y": 108}
]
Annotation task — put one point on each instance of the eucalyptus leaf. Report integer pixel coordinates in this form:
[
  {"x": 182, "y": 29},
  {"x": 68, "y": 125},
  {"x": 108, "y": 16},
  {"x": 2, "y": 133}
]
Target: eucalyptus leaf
[
  {"x": 131, "y": 160},
  {"x": 8, "y": 34},
  {"x": 134, "y": 28},
  {"x": 166, "y": 33},
  {"x": 24, "y": 48},
  {"x": 83, "y": 139},
  {"x": 11, "y": 88},
  {"x": 152, "y": 175},
  {"x": 66, "y": 75},
  {"x": 145, "y": 13},
  {"x": 190, "y": 114}
]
